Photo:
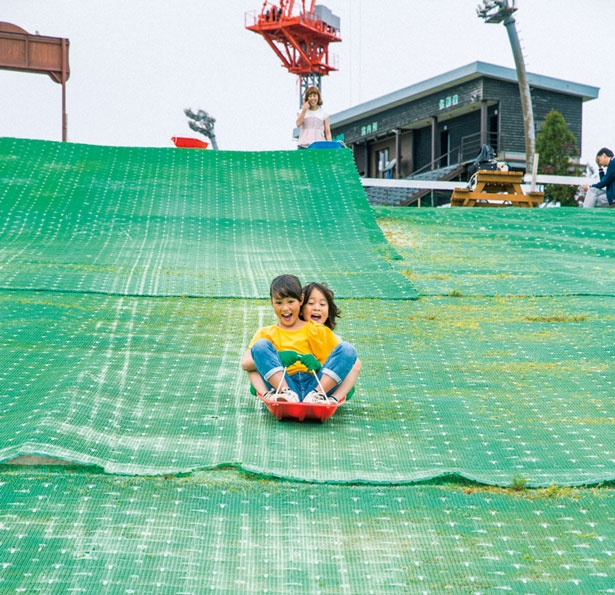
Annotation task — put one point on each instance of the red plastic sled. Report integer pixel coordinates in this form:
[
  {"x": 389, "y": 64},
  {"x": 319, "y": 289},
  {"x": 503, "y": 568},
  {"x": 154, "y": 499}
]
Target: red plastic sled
[
  {"x": 183, "y": 142},
  {"x": 301, "y": 411}
]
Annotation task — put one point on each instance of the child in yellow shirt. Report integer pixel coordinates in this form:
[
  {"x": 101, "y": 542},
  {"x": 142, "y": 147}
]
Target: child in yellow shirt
[
  {"x": 319, "y": 305},
  {"x": 287, "y": 353}
]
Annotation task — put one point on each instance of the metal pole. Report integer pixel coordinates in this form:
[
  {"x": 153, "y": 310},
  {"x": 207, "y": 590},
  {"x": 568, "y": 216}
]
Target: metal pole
[
  {"x": 434, "y": 132},
  {"x": 534, "y": 172},
  {"x": 524, "y": 90},
  {"x": 64, "y": 117},
  {"x": 498, "y": 11},
  {"x": 64, "y": 77},
  {"x": 397, "y": 153},
  {"x": 203, "y": 123}
]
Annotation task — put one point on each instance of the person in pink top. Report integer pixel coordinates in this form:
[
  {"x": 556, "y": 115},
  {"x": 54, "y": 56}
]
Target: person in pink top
[{"x": 312, "y": 120}]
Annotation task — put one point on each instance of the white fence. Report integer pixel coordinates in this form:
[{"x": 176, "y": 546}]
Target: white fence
[{"x": 440, "y": 185}]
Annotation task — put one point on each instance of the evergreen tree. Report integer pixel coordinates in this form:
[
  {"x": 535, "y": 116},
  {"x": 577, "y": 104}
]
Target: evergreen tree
[{"x": 556, "y": 147}]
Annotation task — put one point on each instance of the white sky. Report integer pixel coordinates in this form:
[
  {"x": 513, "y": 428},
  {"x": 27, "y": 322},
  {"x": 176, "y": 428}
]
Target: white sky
[{"x": 136, "y": 64}]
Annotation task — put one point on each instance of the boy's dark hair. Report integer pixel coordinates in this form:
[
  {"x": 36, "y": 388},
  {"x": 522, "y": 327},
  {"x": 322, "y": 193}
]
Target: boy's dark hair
[
  {"x": 334, "y": 311},
  {"x": 285, "y": 286},
  {"x": 605, "y": 151}
]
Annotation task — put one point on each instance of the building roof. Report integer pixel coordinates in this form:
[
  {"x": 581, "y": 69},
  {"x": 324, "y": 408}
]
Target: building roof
[{"x": 456, "y": 77}]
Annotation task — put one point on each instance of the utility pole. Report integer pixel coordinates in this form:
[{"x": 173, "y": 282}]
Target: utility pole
[
  {"x": 498, "y": 11},
  {"x": 203, "y": 123}
]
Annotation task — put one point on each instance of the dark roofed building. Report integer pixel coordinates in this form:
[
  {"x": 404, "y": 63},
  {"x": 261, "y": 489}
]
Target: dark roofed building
[{"x": 440, "y": 124}]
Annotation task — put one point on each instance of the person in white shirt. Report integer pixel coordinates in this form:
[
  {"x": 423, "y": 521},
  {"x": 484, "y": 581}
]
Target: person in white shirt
[{"x": 312, "y": 120}]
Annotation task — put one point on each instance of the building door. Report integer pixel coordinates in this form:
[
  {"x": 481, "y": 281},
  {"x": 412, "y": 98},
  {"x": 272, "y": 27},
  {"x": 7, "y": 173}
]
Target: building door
[
  {"x": 445, "y": 147},
  {"x": 494, "y": 129}
]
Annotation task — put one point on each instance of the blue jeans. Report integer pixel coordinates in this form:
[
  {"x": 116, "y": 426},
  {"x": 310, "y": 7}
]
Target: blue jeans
[{"x": 337, "y": 366}]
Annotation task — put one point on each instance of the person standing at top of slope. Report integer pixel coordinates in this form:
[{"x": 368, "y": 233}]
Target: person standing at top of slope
[{"x": 312, "y": 120}]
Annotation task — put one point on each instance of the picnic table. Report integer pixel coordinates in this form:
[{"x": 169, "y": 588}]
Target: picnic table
[{"x": 496, "y": 189}]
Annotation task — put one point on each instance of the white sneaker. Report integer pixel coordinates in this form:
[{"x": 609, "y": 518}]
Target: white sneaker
[
  {"x": 270, "y": 395},
  {"x": 286, "y": 396},
  {"x": 315, "y": 396}
]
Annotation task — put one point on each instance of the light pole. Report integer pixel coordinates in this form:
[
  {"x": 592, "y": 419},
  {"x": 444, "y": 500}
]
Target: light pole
[
  {"x": 202, "y": 123},
  {"x": 498, "y": 11}
]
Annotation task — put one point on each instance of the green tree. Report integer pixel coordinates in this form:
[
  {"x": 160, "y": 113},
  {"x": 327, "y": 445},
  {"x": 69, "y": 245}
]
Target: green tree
[{"x": 557, "y": 147}]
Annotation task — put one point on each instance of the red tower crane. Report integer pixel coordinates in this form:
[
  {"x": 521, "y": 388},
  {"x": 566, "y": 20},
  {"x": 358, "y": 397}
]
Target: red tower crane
[{"x": 301, "y": 40}]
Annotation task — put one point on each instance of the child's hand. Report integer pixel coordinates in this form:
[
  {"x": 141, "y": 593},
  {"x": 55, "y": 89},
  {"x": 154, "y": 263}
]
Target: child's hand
[
  {"x": 310, "y": 362},
  {"x": 288, "y": 358}
]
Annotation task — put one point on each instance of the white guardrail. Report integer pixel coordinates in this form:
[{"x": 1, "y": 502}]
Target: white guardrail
[{"x": 440, "y": 185}]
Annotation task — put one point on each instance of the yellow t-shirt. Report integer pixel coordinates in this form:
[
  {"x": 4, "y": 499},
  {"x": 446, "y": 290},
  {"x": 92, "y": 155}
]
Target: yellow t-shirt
[{"x": 313, "y": 337}]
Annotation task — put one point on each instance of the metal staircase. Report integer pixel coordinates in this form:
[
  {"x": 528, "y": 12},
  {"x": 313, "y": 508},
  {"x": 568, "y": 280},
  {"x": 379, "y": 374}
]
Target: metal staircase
[{"x": 444, "y": 174}]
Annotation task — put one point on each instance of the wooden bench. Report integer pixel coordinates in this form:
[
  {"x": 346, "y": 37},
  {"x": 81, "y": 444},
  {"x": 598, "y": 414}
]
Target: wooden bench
[{"x": 496, "y": 189}]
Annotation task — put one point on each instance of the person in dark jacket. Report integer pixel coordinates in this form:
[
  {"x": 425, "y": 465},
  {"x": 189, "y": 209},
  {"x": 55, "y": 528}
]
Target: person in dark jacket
[{"x": 604, "y": 158}]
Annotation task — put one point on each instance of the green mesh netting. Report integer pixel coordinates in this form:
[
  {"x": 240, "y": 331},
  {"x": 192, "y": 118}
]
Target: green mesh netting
[
  {"x": 501, "y": 373},
  {"x": 66, "y": 532},
  {"x": 486, "y": 388},
  {"x": 184, "y": 222},
  {"x": 481, "y": 251}
]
